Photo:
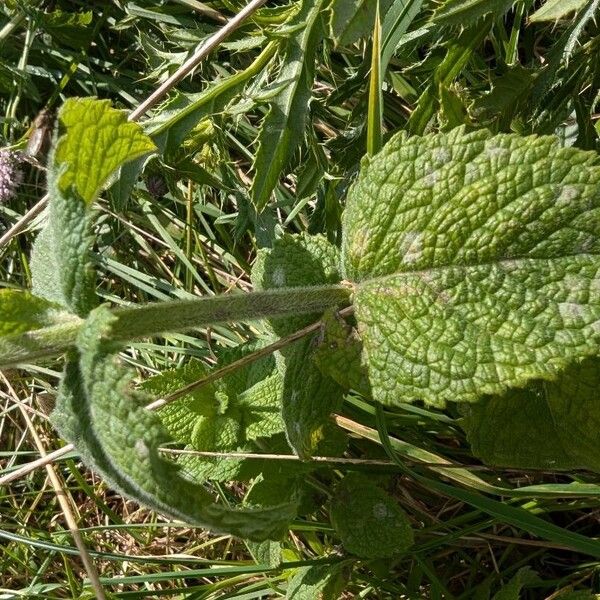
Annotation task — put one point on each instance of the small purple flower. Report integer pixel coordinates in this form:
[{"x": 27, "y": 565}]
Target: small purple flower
[{"x": 11, "y": 176}]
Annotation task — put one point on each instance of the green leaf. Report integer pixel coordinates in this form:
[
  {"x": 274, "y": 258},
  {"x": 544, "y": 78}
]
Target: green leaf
[
  {"x": 457, "y": 57},
  {"x": 338, "y": 354},
  {"x": 512, "y": 590},
  {"x": 519, "y": 517},
  {"x": 308, "y": 396},
  {"x": 22, "y": 311},
  {"x": 508, "y": 92},
  {"x": 69, "y": 28},
  {"x": 554, "y": 10},
  {"x": 453, "y": 111},
  {"x": 115, "y": 434},
  {"x": 375, "y": 105},
  {"x": 296, "y": 261},
  {"x": 95, "y": 140},
  {"x": 551, "y": 425},
  {"x": 476, "y": 263},
  {"x": 322, "y": 582},
  {"x": 227, "y": 413},
  {"x": 283, "y": 127},
  {"x": 578, "y": 595},
  {"x": 369, "y": 522},
  {"x": 170, "y": 126},
  {"x": 351, "y": 20},
  {"x": 466, "y": 12},
  {"x": 395, "y": 24}
]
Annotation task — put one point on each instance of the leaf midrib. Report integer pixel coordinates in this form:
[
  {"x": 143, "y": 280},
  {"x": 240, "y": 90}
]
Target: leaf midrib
[{"x": 489, "y": 263}]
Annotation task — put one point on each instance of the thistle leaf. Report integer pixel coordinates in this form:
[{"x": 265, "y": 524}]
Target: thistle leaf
[
  {"x": 554, "y": 10},
  {"x": 466, "y": 12},
  {"x": 352, "y": 19},
  {"x": 283, "y": 127},
  {"x": 476, "y": 263}
]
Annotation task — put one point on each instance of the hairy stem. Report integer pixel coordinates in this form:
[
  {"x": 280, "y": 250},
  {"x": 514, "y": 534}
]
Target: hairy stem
[{"x": 180, "y": 315}]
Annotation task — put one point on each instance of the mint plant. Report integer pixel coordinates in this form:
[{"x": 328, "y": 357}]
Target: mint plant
[{"x": 470, "y": 262}]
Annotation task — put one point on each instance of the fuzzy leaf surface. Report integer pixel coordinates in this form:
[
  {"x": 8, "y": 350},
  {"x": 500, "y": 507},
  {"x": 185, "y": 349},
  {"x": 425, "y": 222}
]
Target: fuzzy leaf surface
[
  {"x": 22, "y": 311},
  {"x": 551, "y": 425},
  {"x": 308, "y": 396},
  {"x": 369, "y": 521},
  {"x": 476, "y": 263},
  {"x": 95, "y": 140},
  {"x": 110, "y": 427}
]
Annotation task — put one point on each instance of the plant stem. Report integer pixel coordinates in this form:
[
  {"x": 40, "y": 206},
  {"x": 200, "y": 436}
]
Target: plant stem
[
  {"x": 152, "y": 319},
  {"x": 179, "y": 315}
]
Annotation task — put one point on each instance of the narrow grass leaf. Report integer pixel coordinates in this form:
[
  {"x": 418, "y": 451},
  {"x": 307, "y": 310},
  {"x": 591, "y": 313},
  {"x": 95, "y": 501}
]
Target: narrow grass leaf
[
  {"x": 396, "y": 22},
  {"x": 375, "y": 108}
]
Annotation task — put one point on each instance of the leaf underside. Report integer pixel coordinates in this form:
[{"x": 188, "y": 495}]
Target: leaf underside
[
  {"x": 95, "y": 141},
  {"x": 118, "y": 437},
  {"x": 476, "y": 263}
]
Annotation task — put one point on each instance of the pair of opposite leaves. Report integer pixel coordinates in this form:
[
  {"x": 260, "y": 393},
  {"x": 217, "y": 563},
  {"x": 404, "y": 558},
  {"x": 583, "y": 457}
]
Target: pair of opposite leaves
[{"x": 475, "y": 266}]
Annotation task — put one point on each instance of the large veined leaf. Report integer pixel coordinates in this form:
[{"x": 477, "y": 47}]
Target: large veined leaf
[
  {"x": 116, "y": 435},
  {"x": 308, "y": 396},
  {"x": 476, "y": 263},
  {"x": 551, "y": 425},
  {"x": 95, "y": 140}
]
